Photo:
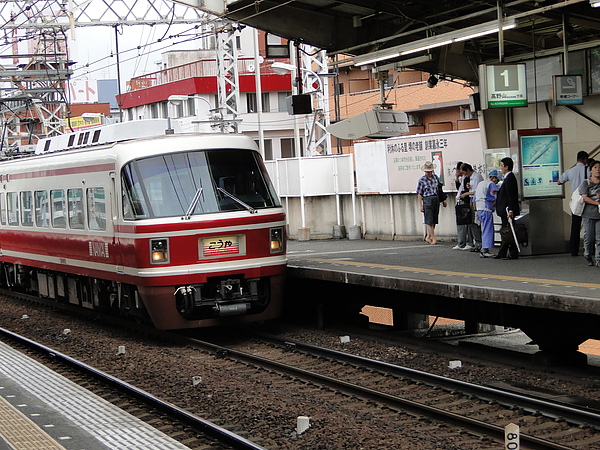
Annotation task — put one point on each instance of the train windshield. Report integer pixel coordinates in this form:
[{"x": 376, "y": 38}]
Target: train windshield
[{"x": 196, "y": 182}]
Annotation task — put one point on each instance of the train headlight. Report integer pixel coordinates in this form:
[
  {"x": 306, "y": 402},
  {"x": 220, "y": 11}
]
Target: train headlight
[
  {"x": 276, "y": 240},
  {"x": 159, "y": 251}
]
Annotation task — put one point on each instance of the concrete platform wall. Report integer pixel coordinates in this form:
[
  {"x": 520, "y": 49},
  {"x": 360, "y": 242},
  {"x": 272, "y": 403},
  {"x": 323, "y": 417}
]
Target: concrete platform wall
[{"x": 393, "y": 216}]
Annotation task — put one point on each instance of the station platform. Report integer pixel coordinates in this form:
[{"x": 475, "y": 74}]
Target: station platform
[
  {"x": 557, "y": 290},
  {"x": 42, "y": 410}
]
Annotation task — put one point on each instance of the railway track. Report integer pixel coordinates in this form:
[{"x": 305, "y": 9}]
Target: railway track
[
  {"x": 481, "y": 410},
  {"x": 570, "y": 412},
  {"x": 394, "y": 399},
  {"x": 198, "y": 432}
]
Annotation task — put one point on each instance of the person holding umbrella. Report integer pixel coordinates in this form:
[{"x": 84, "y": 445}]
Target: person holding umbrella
[
  {"x": 429, "y": 203},
  {"x": 507, "y": 206}
]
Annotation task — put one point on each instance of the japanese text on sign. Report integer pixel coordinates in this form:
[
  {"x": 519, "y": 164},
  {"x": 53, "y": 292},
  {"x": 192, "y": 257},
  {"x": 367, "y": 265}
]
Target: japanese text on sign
[
  {"x": 420, "y": 145},
  {"x": 219, "y": 245}
]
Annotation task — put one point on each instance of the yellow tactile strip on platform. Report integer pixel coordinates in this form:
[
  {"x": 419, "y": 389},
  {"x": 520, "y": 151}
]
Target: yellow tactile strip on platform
[{"x": 21, "y": 433}]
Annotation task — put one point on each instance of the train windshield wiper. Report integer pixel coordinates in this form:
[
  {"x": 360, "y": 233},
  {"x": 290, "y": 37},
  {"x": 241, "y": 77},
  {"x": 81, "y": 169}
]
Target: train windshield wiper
[
  {"x": 193, "y": 204},
  {"x": 237, "y": 200}
]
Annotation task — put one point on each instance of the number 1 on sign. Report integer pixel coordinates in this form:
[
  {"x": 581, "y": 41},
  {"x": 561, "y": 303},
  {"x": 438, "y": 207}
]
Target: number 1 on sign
[
  {"x": 511, "y": 437},
  {"x": 504, "y": 74}
]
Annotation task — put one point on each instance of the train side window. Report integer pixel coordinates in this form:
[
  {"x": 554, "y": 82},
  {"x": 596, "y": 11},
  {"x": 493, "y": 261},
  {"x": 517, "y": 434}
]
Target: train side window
[
  {"x": 26, "y": 209},
  {"x": 42, "y": 218},
  {"x": 2, "y": 210},
  {"x": 96, "y": 209},
  {"x": 75, "y": 198},
  {"x": 58, "y": 208},
  {"x": 12, "y": 199}
]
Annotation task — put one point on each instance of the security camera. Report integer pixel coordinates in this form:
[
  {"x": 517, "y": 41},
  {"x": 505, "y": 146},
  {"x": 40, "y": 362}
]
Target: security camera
[{"x": 432, "y": 81}]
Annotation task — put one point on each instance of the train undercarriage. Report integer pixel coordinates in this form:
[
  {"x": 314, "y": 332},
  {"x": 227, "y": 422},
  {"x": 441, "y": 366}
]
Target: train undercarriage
[
  {"x": 219, "y": 297},
  {"x": 101, "y": 295}
]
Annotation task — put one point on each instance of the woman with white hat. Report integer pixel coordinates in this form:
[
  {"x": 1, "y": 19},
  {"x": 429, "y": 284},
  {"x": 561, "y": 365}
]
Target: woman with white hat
[{"x": 427, "y": 190}]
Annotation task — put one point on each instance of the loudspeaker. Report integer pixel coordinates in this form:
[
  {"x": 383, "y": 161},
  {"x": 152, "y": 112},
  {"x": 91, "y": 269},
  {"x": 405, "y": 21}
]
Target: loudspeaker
[
  {"x": 376, "y": 124},
  {"x": 299, "y": 104}
]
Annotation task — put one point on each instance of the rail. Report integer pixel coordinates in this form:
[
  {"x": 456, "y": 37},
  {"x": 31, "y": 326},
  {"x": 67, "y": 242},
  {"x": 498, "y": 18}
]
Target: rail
[
  {"x": 392, "y": 401},
  {"x": 181, "y": 415}
]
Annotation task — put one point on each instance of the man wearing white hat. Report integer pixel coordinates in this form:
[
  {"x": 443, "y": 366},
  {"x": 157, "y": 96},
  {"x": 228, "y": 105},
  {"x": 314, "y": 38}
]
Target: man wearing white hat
[
  {"x": 429, "y": 203},
  {"x": 485, "y": 200}
]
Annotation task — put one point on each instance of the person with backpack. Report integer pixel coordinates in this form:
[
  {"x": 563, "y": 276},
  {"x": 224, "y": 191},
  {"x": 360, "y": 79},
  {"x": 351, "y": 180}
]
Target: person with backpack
[{"x": 575, "y": 175}]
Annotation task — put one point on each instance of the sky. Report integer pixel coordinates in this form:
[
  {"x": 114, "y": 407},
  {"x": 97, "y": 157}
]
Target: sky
[
  {"x": 94, "y": 49},
  {"x": 91, "y": 47}
]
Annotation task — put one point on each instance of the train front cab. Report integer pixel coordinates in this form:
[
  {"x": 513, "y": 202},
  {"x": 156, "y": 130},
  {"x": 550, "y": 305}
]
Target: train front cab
[
  {"x": 206, "y": 237},
  {"x": 229, "y": 291}
]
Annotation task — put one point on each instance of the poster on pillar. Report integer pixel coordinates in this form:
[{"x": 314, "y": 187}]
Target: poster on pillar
[
  {"x": 407, "y": 154},
  {"x": 540, "y": 158}
]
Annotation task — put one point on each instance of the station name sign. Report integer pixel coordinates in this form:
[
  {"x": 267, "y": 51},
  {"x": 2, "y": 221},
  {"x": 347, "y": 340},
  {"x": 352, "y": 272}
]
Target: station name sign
[{"x": 503, "y": 85}]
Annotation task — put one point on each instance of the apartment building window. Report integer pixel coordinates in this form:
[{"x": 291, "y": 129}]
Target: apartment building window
[
  {"x": 251, "y": 105},
  {"x": 266, "y": 102},
  {"x": 466, "y": 113},
  {"x": 276, "y": 47},
  {"x": 281, "y": 101},
  {"x": 415, "y": 119},
  {"x": 359, "y": 85},
  {"x": 268, "y": 148},
  {"x": 154, "y": 110},
  {"x": 287, "y": 148}
]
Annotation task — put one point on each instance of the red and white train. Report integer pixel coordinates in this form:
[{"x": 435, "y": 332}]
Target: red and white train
[{"x": 183, "y": 229}]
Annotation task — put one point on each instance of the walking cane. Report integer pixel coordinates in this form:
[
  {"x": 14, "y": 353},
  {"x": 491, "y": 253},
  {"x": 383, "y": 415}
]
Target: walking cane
[{"x": 512, "y": 228}]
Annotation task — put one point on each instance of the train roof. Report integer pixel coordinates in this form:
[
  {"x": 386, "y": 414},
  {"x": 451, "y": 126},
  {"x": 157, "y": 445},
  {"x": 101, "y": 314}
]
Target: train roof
[
  {"x": 124, "y": 142},
  {"x": 121, "y": 152},
  {"x": 107, "y": 134}
]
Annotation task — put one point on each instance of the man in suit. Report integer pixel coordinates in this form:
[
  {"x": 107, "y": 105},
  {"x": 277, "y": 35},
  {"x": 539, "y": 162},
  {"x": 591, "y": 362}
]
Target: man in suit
[{"x": 508, "y": 197}]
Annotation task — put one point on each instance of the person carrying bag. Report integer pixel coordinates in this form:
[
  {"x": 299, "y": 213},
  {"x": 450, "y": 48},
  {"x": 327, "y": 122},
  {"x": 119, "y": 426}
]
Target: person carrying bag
[{"x": 463, "y": 213}]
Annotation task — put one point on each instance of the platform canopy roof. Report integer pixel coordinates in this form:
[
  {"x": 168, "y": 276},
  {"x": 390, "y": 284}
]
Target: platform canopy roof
[{"x": 396, "y": 31}]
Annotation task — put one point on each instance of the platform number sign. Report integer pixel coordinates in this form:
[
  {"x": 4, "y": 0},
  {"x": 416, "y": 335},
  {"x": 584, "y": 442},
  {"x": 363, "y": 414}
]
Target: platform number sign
[
  {"x": 511, "y": 437},
  {"x": 505, "y": 85}
]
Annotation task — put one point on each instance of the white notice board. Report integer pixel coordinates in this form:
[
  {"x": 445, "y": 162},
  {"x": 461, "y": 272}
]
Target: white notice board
[
  {"x": 406, "y": 155},
  {"x": 394, "y": 165}
]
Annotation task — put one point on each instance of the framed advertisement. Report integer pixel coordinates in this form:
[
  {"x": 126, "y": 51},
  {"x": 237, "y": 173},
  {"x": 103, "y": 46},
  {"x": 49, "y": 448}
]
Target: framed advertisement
[
  {"x": 540, "y": 158},
  {"x": 503, "y": 85}
]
